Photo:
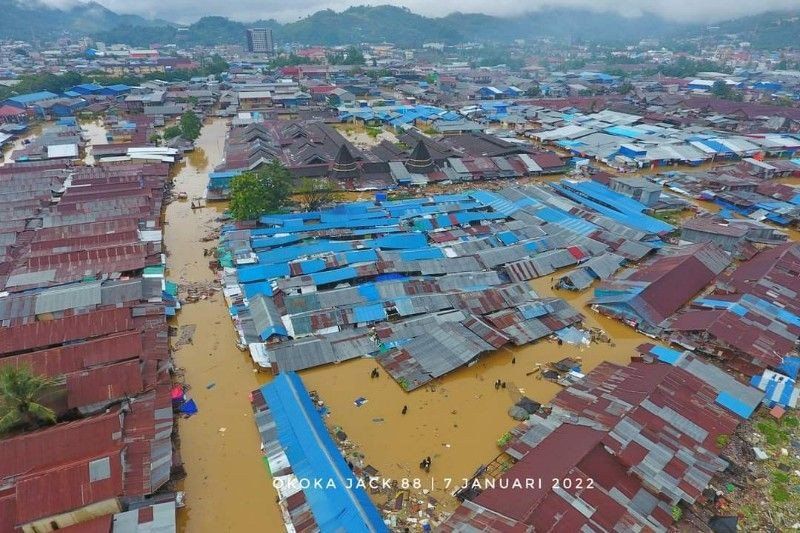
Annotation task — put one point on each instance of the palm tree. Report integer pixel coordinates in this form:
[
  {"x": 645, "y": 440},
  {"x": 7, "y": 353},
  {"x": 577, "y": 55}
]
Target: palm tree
[{"x": 21, "y": 391}]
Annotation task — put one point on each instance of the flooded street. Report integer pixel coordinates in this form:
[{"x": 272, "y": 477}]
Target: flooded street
[
  {"x": 94, "y": 133},
  {"x": 227, "y": 486},
  {"x": 457, "y": 420},
  {"x": 31, "y": 133}
]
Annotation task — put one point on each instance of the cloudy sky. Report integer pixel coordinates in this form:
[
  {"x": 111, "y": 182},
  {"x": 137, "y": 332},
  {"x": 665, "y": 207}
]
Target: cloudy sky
[{"x": 289, "y": 10}]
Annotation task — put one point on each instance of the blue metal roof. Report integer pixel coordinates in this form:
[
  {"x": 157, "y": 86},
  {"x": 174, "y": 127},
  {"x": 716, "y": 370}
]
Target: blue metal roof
[
  {"x": 369, "y": 313},
  {"x": 262, "y": 272},
  {"x": 256, "y": 288},
  {"x": 400, "y": 241},
  {"x": 313, "y": 455},
  {"x": 334, "y": 275},
  {"x": 32, "y": 98},
  {"x": 734, "y": 404},
  {"x": 361, "y": 256},
  {"x": 422, "y": 253},
  {"x": 666, "y": 355},
  {"x": 507, "y": 237},
  {"x": 369, "y": 292},
  {"x": 600, "y": 198}
]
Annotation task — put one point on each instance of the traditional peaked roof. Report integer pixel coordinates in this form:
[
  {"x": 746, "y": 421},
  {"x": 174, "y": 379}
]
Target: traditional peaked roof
[
  {"x": 344, "y": 166},
  {"x": 420, "y": 160}
]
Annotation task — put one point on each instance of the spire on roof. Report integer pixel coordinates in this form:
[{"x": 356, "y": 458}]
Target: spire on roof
[
  {"x": 344, "y": 162},
  {"x": 345, "y": 165},
  {"x": 420, "y": 160}
]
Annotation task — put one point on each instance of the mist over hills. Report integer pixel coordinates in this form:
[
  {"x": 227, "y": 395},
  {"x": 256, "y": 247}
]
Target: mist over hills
[{"x": 376, "y": 24}]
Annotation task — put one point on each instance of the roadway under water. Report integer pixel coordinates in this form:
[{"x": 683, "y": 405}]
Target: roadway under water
[{"x": 456, "y": 421}]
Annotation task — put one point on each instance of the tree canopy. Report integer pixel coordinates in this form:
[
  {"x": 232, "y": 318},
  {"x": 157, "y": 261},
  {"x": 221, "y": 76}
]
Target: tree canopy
[
  {"x": 350, "y": 56},
  {"x": 266, "y": 190},
  {"x": 190, "y": 125},
  {"x": 314, "y": 193},
  {"x": 21, "y": 393}
]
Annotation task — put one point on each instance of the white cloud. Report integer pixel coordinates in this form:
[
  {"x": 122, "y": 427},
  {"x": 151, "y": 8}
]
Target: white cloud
[{"x": 249, "y": 10}]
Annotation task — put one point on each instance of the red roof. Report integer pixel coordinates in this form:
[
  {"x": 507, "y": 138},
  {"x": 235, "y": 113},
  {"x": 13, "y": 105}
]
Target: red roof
[
  {"x": 67, "y": 487},
  {"x": 554, "y": 457},
  {"x": 74, "y": 357},
  {"x": 104, "y": 384},
  {"x": 321, "y": 89},
  {"x": 34, "y": 451},
  {"x": 52, "y": 332},
  {"x": 11, "y": 111},
  {"x": 547, "y": 160}
]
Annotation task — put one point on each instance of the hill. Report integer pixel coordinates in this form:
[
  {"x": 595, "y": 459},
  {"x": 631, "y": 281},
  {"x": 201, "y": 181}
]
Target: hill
[
  {"x": 35, "y": 20},
  {"x": 375, "y": 24}
]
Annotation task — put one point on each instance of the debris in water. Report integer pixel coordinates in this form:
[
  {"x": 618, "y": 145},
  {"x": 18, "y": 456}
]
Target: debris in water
[
  {"x": 211, "y": 385},
  {"x": 185, "y": 334},
  {"x": 360, "y": 401}
]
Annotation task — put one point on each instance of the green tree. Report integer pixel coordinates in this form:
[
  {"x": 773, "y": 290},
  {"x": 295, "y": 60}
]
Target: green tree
[
  {"x": 720, "y": 89},
  {"x": 350, "y": 56},
  {"x": 533, "y": 91},
  {"x": 172, "y": 132},
  {"x": 266, "y": 190},
  {"x": 190, "y": 125},
  {"x": 21, "y": 393},
  {"x": 315, "y": 193}
]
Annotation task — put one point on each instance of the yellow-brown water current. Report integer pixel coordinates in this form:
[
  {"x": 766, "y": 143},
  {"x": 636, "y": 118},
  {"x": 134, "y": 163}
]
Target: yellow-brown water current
[{"x": 456, "y": 421}]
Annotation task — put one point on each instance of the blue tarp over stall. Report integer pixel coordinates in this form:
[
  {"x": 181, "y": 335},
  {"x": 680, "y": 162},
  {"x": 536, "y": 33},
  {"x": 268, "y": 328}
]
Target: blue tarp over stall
[
  {"x": 732, "y": 403},
  {"x": 313, "y": 455}
]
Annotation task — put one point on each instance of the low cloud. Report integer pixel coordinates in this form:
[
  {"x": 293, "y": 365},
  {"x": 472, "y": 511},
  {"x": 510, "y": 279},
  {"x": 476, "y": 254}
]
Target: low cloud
[{"x": 250, "y": 10}]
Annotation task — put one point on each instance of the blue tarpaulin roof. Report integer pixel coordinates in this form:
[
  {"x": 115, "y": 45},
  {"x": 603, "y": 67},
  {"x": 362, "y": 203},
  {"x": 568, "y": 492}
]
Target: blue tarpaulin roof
[
  {"x": 369, "y": 313},
  {"x": 259, "y": 287},
  {"x": 423, "y": 253},
  {"x": 732, "y": 403},
  {"x": 666, "y": 355},
  {"x": 313, "y": 455},
  {"x": 334, "y": 275}
]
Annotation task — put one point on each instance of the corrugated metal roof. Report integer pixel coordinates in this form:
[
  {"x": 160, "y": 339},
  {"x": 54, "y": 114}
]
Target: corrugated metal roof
[
  {"x": 94, "y": 324},
  {"x": 75, "y": 296}
]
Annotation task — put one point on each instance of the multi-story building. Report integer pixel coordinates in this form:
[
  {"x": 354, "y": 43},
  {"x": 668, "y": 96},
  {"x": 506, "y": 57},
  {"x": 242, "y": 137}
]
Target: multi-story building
[{"x": 259, "y": 41}]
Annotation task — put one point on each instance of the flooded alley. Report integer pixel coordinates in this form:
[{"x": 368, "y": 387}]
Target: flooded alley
[
  {"x": 457, "y": 419},
  {"x": 227, "y": 487}
]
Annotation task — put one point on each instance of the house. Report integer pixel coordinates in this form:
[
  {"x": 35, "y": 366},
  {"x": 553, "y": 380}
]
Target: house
[
  {"x": 65, "y": 107},
  {"x": 31, "y": 100},
  {"x": 255, "y": 100},
  {"x": 646, "y": 296},
  {"x": 339, "y": 96},
  {"x": 752, "y": 318},
  {"x": 645, "y": 435},
  {"x": 486, "y": 93},
  {"x": 643, "y": 191},
  {"x": 12, "y": 114}
]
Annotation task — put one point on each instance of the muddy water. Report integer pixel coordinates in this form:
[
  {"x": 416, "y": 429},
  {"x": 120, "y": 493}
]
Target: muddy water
[
  {"x": 19, "y": 143},
  {"x": 95, "y": 133},
  {"x": 457, "y": 421},
  {"x": 227, "y": 487}
]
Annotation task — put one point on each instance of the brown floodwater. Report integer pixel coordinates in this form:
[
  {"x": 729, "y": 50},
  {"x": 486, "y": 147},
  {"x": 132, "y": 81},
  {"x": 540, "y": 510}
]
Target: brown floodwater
[
  {"x": 95, "y": 133},
  {"x": 457, "y": 420},
  {"x": 227, "y": 486},
  {"x": 32, "y": 132}
]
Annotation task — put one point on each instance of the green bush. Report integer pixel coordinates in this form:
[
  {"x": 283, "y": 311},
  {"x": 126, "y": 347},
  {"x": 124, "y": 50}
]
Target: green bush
[{"x": 677, "y": 513}]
